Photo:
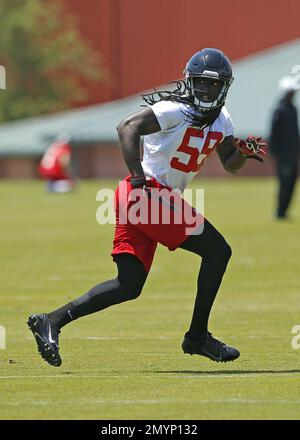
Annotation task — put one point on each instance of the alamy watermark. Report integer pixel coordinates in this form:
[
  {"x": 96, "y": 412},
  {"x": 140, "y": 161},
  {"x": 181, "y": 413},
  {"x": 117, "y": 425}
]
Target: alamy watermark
[
  {"x": 150, "y": 205},
  {"x": 296, "y": 338},
  {"x": 2, "y": 77},
  {"x": 2, "y": 337}
]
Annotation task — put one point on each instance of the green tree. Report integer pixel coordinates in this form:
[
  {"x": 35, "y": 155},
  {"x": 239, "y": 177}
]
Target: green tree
[{"x": 46, "y": 60}]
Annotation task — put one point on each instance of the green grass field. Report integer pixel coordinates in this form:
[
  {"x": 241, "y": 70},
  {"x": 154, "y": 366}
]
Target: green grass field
[{"x": 126, "y": 362}]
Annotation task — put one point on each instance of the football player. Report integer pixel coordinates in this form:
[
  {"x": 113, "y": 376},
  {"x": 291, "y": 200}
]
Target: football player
[
  {"x": 181, "y": 128},
  {"x": 56, "y": 168}
]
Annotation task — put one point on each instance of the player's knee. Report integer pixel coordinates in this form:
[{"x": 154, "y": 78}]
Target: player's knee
[
  {"x": 222, "y": 251},
  {"x": 135, "y": 292},
  {"x": 132, "y": 291},
  {"x": 225, "y": 251}
]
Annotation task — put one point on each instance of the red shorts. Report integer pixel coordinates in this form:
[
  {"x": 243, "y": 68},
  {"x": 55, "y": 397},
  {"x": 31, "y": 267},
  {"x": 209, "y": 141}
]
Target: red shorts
[{"x": 145, "y": 218}]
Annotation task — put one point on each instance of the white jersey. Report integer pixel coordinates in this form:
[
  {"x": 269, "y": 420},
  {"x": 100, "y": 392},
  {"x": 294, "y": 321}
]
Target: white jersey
[{"x": 174, "y": 155}]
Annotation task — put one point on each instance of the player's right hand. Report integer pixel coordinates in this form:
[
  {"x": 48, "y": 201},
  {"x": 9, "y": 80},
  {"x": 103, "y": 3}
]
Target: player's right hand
[{"x": 140, "y": 182}]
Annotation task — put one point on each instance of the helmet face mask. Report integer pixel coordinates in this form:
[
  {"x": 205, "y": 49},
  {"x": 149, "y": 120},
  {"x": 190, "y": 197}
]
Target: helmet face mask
[{"x": 208, "y": 77}]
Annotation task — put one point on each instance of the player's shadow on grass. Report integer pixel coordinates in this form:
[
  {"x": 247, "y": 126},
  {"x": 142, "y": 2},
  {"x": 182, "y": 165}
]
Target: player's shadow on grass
[{"x": 228, "y": 372}]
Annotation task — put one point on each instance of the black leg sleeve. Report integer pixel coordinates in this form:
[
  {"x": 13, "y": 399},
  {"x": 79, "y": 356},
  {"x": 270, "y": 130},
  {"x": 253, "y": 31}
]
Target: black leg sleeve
[
  {"x": 127, "y": 286},
  {"x": 215, "y": 253}
]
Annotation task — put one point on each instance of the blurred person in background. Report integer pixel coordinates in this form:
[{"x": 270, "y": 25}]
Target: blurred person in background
[
  {"x": 285, "y": 145},
  {"x": 56, "y": 168}
]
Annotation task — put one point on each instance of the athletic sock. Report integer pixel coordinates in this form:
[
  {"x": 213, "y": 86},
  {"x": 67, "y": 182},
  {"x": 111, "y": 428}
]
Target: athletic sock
[{"x": 63, "y": 315}]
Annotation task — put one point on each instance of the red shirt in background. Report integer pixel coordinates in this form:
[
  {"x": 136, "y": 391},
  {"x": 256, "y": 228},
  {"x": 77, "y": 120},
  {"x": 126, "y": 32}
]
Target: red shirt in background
[{"x": 51, "y": 166}]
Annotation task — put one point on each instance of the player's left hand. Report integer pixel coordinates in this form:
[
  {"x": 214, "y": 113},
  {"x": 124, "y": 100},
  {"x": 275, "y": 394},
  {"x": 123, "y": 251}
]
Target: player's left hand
[{"x": 252, "y": 147}]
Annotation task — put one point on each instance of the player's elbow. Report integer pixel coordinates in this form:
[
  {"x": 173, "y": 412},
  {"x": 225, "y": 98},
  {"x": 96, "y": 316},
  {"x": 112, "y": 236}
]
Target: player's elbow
[
  {"x": 125, "y": 126},
  {"x": 234, "y": 163},
  {"x": 121, "y": 126},
  {"x": 228, "y": 168}
]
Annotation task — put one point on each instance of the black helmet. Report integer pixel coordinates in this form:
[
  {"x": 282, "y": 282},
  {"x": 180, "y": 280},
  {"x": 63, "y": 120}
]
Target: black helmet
[{"x": 209, "y": 63}]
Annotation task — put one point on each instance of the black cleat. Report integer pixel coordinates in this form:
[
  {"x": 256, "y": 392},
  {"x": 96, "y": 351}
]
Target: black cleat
[
  {"x": 210, "y": 348},
  {"x": 46, "y": 336}
]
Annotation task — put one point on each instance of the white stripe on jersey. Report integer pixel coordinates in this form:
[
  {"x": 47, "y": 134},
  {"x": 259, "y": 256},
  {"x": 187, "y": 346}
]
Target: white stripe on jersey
[{"x": 174, "y": 155}]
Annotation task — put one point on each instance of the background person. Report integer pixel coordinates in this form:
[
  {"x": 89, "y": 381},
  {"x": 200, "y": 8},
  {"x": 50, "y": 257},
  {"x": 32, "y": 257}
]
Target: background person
[
  {"x": 285, "y": 145},
  {"x": 55, "y": 167}
]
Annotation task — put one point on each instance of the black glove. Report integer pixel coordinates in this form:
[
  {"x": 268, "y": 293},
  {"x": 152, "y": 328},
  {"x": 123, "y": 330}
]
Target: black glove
[
  {"x": 138, "y": 182},
  {"x": 141, "y": 182}
]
